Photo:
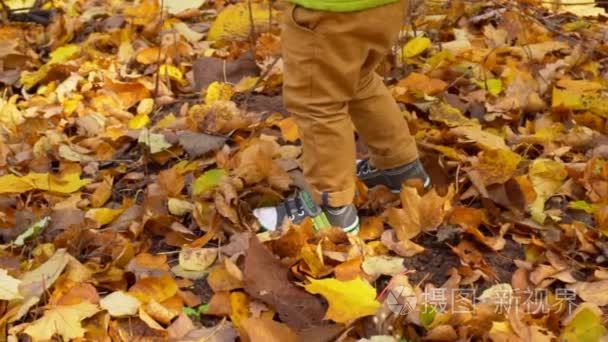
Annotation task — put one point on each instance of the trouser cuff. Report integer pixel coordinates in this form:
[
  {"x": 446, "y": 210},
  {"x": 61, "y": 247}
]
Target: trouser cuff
[
  {"x": 334, "y": 198},
  {"x": 403, "y": 156}
]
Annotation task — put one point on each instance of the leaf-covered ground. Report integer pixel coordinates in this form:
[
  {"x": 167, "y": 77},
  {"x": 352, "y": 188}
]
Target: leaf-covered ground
[{"x": 135, "y": 142}]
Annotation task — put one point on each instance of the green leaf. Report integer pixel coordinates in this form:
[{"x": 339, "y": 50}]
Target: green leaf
[
  {"x": 585, "y": 206},
  {"x": 585, "y": 327},
  {"x": 492, "y": 85},
  {"x": 32, "y": 231},
  {"x": 207, "y": 181},
  {"x": 196, "y": 312},
  {"x": 427, "y": 315}
]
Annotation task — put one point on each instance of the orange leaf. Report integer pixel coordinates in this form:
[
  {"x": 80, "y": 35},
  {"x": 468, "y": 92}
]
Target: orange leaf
[
  {"x": 289, "y": 129},
  {"x": 154, "y": 288}
]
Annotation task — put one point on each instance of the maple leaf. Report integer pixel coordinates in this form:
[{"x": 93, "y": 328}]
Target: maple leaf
[
  {"x": 348, "y": 300},
  {"x": 62, "y": 320}
]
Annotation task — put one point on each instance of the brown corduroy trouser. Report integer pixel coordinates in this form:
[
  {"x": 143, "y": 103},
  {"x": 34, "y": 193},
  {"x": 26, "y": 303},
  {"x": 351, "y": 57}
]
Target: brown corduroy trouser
[{"x": 330, "y": 83}]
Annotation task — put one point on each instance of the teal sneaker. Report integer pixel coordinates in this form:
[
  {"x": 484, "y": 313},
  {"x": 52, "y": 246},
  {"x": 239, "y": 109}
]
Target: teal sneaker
[{"x": 302, "y": 206}]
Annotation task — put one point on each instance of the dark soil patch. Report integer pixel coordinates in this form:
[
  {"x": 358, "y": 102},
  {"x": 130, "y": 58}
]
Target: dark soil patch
[
  {"x": 202, "y": 289},
  {"x": 502, "y": 262},
  {"x": 434, "y": 264}
]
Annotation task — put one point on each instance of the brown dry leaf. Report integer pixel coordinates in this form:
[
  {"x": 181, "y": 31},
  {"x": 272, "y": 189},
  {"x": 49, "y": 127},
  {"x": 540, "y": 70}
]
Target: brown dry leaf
[
  {"x": 80, "y": 292},
  {"x": 594, "y": 292},
  {"x": 371, "y": 228},
  {"x": 180, "y": 327},
  {"x": 265, "y": 330},
  {"x": 421, "y": 83},
  {"x": 158, "y": 312},
  {"x": 470, "y": 219},
  {"x": 219, "y": 305},
  {"x": 419, "y": 213},
  {"x": 145, "y": 264},
  {"x": 102, "y": 193},
  {"x": 266, "y": 280},
  {"x": 220, "y": 279},
  {"x": 349, "y": 270},
  {"x": 404, "y": 248}
]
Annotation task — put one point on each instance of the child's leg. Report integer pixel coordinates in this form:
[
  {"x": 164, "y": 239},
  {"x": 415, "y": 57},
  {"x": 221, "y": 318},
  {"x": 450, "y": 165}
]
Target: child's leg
[
  {"x": 329, "y": 60},
  {"x": 322, "y": 68},
  {"x": 380, "y": 123},
  {"x": 375, "y": 113}
]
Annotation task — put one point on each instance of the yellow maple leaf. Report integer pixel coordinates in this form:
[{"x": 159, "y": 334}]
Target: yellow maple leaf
[
  {"x": 139, "y": 121},
  {"x": 547, "y": 176},
  {"x": 416, "y": 46},
  {"x": 348, "y": 300},
  {"x": 62, "y": 320},
  {"x": 235, "y": 20},
  {"x": 218, "y": 91},
  {"x": 103, "y": 216},
  {"x": 69, "y": 183}
]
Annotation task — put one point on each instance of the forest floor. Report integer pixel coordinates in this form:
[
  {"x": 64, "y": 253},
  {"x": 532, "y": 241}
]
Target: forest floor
[{"x": 136, "y": 141}]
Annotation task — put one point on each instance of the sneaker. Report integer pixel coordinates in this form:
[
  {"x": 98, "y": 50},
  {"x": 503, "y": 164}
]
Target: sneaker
[
  {"x": 302, "y": 206},
  {"x": 392, "y": 178}
]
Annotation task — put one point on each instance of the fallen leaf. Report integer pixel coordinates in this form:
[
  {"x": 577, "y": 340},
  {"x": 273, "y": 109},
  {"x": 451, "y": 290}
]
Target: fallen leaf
[
  {"x": 154, "y": 288},
  {"x": 584, "y": 324},
  {"x": 9, "y": 286},
  {"x": 62, "y": 320},
  {"x": 266, "y": 279},
  {"x": 156, "y": 142},
  {"x": 198, "y": 144},
  {"x": 67, "y": 184},
  {"x": 376, "y": 266},
  {"x": 34, "y": 283},
  {"x": 546, "y": 176},
  {"x": 179, "y": 207},
  {"x": 416, "y": 46},
  {"x": 266, "y": 330},
  {"x": 32, "y": 231},
  {"x": 289, "y": 129},
  {"x": 594, "y": 292},
  {"x": 235, "y": 20},
  {"x": 207, "y": 181},
  {"x": 119, "y": 304},
  {"x": 197, "y": 259},
  {"x": 348, "y": 300},
  {"x": 239, "y": 307}
]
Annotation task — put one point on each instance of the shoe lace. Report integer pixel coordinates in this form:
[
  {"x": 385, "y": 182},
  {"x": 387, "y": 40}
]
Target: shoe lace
[{"x": 365, "y": 168}]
